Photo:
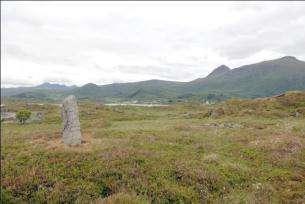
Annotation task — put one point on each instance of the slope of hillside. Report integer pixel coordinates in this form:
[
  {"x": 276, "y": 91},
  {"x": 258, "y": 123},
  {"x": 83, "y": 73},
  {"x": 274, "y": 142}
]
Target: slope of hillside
[
  {"x": 219, "y": 71},
  {"x": 27, "y": 92},
  {"x": 257, "y": 80},
  {"x": 145, "y": 90},
  {"x": 50, "y": 86}
]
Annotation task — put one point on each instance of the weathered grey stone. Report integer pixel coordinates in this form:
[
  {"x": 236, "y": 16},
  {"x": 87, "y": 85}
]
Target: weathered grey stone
[
  {"x": 8, "y": 116},
  {"x": 36, "y": 117},
  {"x": 216, "y": 113},
  {"x": 71, "y": 127}
]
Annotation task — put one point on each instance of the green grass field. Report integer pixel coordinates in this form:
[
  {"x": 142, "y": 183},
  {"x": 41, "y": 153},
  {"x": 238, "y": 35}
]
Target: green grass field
[{"x": 239, "y": 151}]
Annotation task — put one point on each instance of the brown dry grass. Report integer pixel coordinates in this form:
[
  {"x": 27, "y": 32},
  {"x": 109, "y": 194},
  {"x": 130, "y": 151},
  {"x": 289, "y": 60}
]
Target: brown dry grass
[
  {"x": 254, "y": 153},
  {"x": 280, "y": 145},
  {"x": 55, "y": 143},
  {"x": 122, "y": 198}
]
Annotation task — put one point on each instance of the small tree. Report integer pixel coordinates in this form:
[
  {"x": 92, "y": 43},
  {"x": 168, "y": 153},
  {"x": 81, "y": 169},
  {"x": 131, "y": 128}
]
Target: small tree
[{"x": 23, "y": 115}]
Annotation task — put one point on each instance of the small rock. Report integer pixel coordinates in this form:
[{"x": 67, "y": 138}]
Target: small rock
[{"x": 215, "y": 113}]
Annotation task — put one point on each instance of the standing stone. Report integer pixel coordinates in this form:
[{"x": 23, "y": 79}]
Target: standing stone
[
  {"x": 216, "y": 113},
  {"x": 71, "y": 127}
]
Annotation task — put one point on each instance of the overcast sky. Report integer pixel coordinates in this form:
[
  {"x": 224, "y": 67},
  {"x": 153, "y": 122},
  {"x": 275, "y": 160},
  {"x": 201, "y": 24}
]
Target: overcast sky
[{"x": 107, "y": 42}]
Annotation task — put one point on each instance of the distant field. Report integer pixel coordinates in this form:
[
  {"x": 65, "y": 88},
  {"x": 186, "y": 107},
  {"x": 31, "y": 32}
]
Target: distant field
[{"x": 238, "y": 151}]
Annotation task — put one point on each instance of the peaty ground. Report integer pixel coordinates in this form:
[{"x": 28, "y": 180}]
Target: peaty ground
[{"x": 240, "y": 151}]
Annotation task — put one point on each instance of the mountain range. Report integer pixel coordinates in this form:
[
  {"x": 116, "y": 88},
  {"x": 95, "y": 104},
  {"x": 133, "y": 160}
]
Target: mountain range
[{"x": 262, "y": 79}]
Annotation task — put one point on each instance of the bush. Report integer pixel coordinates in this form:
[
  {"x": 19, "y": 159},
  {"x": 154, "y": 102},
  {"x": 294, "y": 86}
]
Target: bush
[{"x": 23, "y": 115}]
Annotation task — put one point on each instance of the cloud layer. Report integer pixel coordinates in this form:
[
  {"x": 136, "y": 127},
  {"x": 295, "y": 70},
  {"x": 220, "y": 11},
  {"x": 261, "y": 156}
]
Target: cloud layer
[{"x": 108, "y": 42}]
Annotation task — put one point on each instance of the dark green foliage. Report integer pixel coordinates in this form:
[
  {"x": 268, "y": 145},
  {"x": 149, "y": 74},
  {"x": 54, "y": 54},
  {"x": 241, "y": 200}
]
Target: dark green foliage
[
  {"x": 23, "y": 115},
  {"x": 6, "y": 197},
  {"x": 104, "y": 190}
]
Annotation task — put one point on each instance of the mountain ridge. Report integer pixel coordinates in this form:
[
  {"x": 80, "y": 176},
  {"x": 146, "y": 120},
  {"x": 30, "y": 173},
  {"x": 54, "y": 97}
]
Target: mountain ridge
[
  {"x": 48, "y": 85},
  {"x": 260, "y": 79},
  {"x": 219, "y": 70}
]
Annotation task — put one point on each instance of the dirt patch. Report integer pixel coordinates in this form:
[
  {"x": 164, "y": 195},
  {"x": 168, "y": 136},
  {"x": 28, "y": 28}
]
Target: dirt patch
[{"x": 55, "y": 143}]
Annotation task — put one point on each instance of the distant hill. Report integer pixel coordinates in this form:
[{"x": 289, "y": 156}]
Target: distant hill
[
  {"x": 257, "y": 80},
  {"x": 250, "y": 81},
  {"x": 143, "y": 90},
  {"x": 41, "y": 92},
  {"x": 50, "y": 86}
]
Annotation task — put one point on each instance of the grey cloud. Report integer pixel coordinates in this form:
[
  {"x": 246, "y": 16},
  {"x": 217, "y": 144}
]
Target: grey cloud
[
  {"x": 37, "y": 56},
  {"x": 143, "y": 41},
  {"x": 59, "y": 80},
  {"x": 266, "y": 30},
  {"x": 165, "y": 72},
  {"x": 273, "y": 31},
  {"x": 13, "y": 82}
]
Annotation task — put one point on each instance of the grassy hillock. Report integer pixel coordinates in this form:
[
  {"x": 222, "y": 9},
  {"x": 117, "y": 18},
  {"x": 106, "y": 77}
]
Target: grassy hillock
[{"x": 237, "y": 151}]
